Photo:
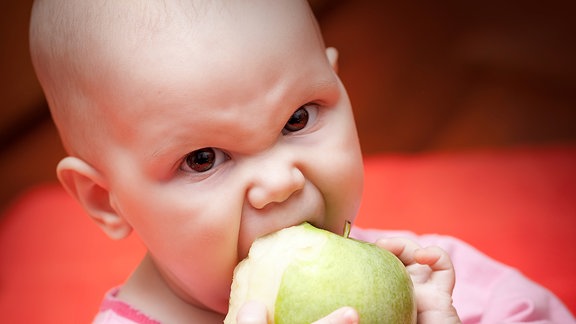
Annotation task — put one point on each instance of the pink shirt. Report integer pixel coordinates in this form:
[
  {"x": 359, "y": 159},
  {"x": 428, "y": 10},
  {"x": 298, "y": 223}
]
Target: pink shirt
[
  {"x": 486, "y": 291},
  {"x": 115, "y": 311}
]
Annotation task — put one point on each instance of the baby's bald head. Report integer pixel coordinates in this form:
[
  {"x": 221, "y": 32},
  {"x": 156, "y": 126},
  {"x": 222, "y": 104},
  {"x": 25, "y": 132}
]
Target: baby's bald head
[
  {"x": 93, "y": 57},
  {"x": 77, "y": 48}
]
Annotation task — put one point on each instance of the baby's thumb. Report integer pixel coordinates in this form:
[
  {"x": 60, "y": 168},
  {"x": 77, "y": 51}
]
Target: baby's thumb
[{"x": 344, "y": 315}]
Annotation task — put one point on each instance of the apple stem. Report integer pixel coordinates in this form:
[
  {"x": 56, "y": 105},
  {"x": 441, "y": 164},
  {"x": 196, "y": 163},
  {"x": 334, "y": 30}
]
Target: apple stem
[{"x": 347, "y": 228}]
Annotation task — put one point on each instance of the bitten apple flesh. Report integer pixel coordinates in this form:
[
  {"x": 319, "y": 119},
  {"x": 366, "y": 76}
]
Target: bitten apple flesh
[{"x": 303, "y": 273}]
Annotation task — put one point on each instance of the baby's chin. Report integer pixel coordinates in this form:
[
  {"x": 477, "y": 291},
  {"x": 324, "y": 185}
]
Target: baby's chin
[{"x": 216, "y": 309}]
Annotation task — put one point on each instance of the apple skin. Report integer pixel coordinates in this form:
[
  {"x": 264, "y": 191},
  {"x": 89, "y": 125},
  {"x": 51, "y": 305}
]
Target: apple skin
[{"x": 303, "y": 273}]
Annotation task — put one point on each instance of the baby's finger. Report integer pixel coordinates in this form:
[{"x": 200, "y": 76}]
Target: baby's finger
[
  {"x": 344, "y": 315},
  {"x": 439, "y": 262},
  {"x": 403, "y": 248},
  {"x": 433, "y": 256}
]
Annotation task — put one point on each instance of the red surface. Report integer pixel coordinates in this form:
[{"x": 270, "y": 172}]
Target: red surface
[
  {"x": 518, "y": 206},
  {"x": 55, "y": 264}
]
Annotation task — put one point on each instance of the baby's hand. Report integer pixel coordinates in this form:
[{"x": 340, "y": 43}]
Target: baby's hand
[
  {"x": 255, "y": 313},
  {"x": 433, "y": 276}
]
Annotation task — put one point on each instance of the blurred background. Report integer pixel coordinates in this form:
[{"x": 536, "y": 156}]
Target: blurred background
[{"x": 422, "y": 76}]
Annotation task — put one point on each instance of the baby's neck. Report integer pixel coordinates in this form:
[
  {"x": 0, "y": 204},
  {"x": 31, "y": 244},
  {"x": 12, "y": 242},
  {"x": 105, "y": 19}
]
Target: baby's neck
[{"x": 146, "y": 291}]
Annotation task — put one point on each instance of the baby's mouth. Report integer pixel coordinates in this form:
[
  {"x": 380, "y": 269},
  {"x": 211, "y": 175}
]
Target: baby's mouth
[{"x": 315, "y": 220}]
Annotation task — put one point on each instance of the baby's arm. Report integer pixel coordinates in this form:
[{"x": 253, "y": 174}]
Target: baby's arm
[{"x": 433, "y": 276}]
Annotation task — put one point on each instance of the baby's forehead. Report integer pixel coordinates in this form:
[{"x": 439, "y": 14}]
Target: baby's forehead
[
  {"x": 221, "y": 33},
  {"x": 130, "y": 42},
  {"x": 130, "y": 28}
]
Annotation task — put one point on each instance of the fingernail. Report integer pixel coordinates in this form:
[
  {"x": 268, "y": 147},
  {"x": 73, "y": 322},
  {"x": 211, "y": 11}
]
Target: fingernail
[{"x": 350, "y": 316}]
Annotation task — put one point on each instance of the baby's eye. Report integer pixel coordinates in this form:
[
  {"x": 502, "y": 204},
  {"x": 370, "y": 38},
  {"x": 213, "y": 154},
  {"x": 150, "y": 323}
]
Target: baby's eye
[
  {"x": 203, "y": 159},
  {"x": 299, "y": 119}
]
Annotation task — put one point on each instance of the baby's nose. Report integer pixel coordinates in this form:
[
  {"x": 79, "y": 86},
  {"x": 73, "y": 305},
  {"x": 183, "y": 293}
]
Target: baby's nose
[{"x": 275, "y": 184}]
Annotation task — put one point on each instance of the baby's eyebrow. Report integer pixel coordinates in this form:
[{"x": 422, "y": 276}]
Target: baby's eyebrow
[
  {"x": 159, "y": 152},
  {"x": 319, "y": 87},
  {"x": 163, "y": 150},
  {"x": 163, "y": 158}
]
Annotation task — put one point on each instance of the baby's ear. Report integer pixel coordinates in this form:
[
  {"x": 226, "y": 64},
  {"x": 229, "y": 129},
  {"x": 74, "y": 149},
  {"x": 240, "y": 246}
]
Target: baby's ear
[
  {"x": 332, "y": 55},
  {"x": 86, "y": 184}
]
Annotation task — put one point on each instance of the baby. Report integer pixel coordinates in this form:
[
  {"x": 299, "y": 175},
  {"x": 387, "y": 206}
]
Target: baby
[{"x": 201, "y": 126}]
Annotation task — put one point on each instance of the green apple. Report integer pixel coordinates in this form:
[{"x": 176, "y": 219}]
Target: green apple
[{"x": 303, "y": 273}]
